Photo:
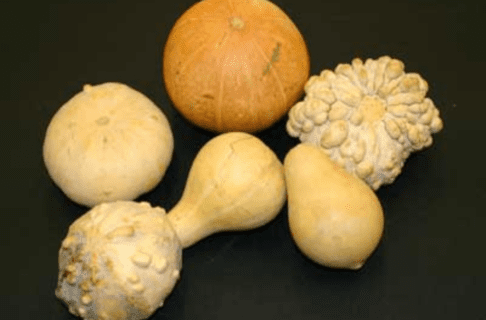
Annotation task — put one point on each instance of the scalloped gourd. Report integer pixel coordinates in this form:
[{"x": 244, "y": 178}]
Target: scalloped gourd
[
  {"x": 109, "y": 142},
  {"x": 368, "y": 117},
  {"x": 122, "y": 259}
]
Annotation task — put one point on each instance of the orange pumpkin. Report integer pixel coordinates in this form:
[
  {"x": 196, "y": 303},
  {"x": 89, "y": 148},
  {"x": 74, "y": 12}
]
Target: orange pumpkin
[{"x": 235, "y": 65}]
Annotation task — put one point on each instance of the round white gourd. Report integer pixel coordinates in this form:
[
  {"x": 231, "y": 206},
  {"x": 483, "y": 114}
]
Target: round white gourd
[
  {"x": 118, "y": 261},
  {"x": 109, "y": 142}
]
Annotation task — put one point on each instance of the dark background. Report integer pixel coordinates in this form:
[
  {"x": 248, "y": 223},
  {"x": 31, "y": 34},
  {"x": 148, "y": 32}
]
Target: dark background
[{"x": 430, "y": 264}]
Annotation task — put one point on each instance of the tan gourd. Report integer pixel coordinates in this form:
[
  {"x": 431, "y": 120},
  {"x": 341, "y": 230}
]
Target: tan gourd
[
  {"x": 235, "y": 65},
  {"x": 122, "y": 259},
  {"x": 236, "y": 182},
  {"x": 335, "y": 218}
]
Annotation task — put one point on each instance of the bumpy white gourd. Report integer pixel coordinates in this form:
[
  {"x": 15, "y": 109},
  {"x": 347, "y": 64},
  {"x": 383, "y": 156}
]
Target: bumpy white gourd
[
  {"x": 368, "y": 117},
  {"x": 109, "y": 142},
  {"x": 121, "y": 259},
  {"x": 335, "y": 218}
]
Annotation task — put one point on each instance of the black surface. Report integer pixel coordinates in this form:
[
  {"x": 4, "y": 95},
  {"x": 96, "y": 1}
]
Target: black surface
[{"x": 430, "y": 263}]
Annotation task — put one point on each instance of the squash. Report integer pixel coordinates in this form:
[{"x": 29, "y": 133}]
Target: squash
[
  {"x": 234, "y": 65},
  {"x": 235, "y": 183},
  {"x": 335, "y": 218},
  {"x": 109, "y": 142},
  {"x": 132, "y": 251},
  {"x": 368, "y": 117},
  {"x": 120, "y": 260}
]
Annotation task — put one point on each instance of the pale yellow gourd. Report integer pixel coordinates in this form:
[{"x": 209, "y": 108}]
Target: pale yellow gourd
[
  {"x": 236, "y": 183},
  {"x": 335, "y": 218},
  {"x": 122, "y": 259}
]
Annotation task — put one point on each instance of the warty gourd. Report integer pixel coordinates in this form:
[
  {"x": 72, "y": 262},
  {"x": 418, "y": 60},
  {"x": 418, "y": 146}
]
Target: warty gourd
[
  {"x": 118, "y": 261},
  {"x": 109, "y": 142},
  {"x": 121, "y": 259},
  {"x": 368, "y": 117}
]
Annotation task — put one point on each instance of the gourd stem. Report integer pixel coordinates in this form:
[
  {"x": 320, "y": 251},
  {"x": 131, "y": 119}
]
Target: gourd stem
[{"x": 237, "y": 23}]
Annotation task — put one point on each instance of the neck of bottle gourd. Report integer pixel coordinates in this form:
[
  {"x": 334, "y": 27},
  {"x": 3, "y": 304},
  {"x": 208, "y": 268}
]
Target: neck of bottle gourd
[{"x": 186, "y": 221}]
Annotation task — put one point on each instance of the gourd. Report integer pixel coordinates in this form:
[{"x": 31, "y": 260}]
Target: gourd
[
  {"x": 235, "y": 183},
  {"x": 335, "y": 219},
  {"x": 108, "y": 142},
  {"x": 368, "y": 117},
  {"x": 234, "y": 65},
  {"x": 120, "y": 260}
]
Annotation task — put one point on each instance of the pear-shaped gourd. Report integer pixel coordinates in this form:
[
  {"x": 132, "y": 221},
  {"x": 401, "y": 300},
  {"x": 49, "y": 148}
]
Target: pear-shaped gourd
[
  {"x": 121, "y": 260},
  {"x": 235, "y": 183},
  {"x": 335, "y": 219}
]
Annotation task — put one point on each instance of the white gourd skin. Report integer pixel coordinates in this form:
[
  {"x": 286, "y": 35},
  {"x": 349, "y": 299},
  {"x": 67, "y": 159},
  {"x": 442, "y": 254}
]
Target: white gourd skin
[
  {"x": 109, "y": 142},
  {"x": 121, "y": 260},
  {"x": 235, "y": 183},
  {"x": 335, "y": 219}
]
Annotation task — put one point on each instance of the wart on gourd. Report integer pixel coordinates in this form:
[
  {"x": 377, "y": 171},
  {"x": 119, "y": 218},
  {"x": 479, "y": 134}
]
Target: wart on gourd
[{"x": 121, "y": 260}]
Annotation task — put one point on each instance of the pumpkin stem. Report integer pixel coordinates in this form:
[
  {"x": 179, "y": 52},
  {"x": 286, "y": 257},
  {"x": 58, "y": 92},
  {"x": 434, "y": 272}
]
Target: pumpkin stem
[{"x": 237, "y": 23}]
